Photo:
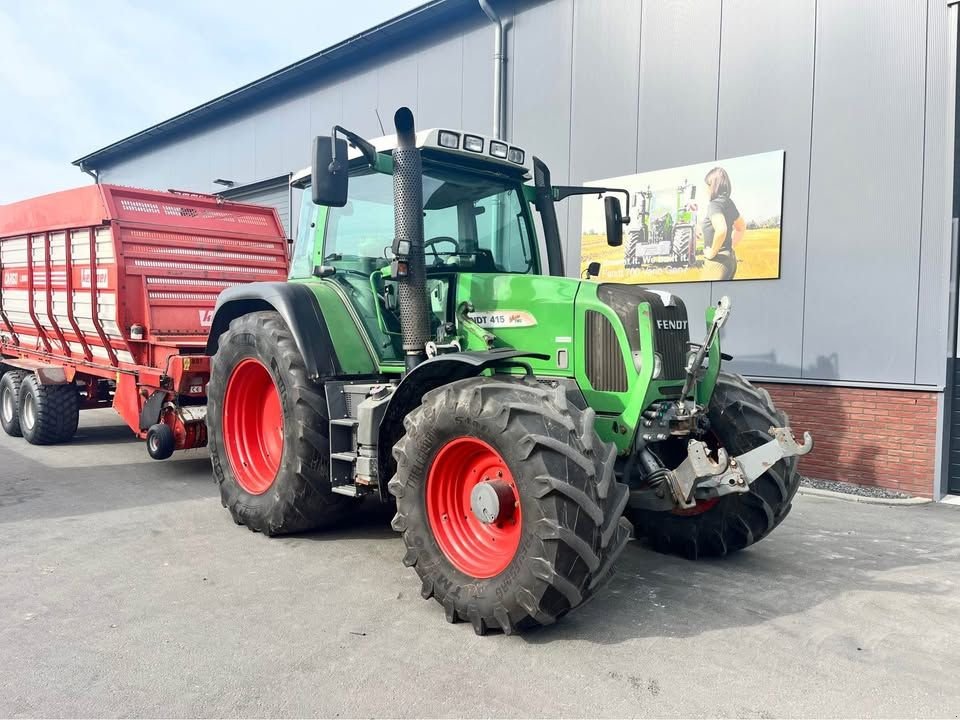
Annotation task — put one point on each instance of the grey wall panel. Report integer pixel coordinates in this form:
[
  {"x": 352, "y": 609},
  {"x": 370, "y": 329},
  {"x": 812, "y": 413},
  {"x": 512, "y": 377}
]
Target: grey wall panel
[
  {"x": 606, "y": 78},
  {"x": 282, "y": 138},
  {"x": 540, "y": 111},
  {"x": 396, "y": 87},
  {"x": 860, "y": 303},
  {"x": 476, "y": 98},
  {"x": 360, "y": 102},
  {"x": 231, "y": 151},
  {"x": 766, "y": 95},
  {"x": 933, "y": 307},
  {"x": 679, "y": 51},
  {"x": 440, "y": 85},
  {"x": 326, "y": 109},
  {"x": 679, "y": 56}
]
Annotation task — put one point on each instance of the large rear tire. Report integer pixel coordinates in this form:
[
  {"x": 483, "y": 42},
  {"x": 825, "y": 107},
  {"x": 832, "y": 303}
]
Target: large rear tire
[
  {"x": 740, "y": 416},
  {"x": 557, "y": 524},
  {"x": 48, "y": 414},
  {"x": 267, "y": 428},
  {"x": 9, "y": 402}
]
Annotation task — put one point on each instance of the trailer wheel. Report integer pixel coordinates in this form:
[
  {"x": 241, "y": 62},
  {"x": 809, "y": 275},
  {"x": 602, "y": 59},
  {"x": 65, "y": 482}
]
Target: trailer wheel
[
  {"x": 507, "y": 502},
  {"x": 740, "y": 416},
  {"x": 9, "y": 411},
  {"x": 48, "y": 413},
  {"x": 160, "y": 441},
  {"x": 267, "y": 428}
]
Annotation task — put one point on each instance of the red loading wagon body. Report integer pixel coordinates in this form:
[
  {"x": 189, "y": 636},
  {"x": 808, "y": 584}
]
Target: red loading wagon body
[{"x": 113, "y": 289}]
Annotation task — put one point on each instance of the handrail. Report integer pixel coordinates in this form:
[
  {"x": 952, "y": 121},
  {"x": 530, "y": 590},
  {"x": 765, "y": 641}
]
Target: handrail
[
  {"x": 49, "y": 288},
  {"x": 41, "y": 335},
  {"x": 68, "y": 258},
  {"x": 95, "y": 301}
]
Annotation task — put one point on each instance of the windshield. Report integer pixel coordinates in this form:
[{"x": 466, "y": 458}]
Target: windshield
[{"x": 470, "y": 223}]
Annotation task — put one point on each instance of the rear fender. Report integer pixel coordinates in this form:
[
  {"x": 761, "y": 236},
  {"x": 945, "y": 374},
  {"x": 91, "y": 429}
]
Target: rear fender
[
  {"x": 298, "y": 307},
  {"x": 428, "y": 375}
]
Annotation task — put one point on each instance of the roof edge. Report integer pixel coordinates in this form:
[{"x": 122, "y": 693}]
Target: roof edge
[{"x": 421, "y": 12}]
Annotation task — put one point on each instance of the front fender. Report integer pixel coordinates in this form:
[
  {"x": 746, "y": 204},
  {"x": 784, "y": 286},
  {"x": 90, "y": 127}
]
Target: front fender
[
  {"x": 298, "y": 307},
  {"x": 430, "y": 374}
]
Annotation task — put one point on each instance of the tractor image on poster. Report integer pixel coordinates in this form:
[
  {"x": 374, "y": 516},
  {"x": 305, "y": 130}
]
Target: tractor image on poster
[
  {"x": 525, "y": 424},
  {"x": 665, "y": 236}
]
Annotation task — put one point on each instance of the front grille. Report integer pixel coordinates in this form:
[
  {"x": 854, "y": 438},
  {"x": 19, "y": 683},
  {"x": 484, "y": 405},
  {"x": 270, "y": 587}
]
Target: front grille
[
  {"x": 604, "y": 366},
  {"x": 671, "y": 338}
]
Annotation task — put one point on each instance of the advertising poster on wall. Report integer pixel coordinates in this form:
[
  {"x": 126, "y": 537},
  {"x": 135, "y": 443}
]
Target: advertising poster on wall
[{"x": 716, "y": 220}]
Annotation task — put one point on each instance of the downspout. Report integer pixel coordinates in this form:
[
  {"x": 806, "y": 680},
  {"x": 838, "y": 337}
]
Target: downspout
[
  {"x": 497, "y": 69},
  {"x": 92, "y": 173}
]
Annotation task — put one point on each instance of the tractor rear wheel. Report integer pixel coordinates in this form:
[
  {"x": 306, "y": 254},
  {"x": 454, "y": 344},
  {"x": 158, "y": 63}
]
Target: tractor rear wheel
[
  {"x": 9, "y": 411},
  {"x": 48, "y": 414},
  {"x": 267, "y": 430},
  {"x": 507, "y": 502},
  {"x": 741, "y": 416}
]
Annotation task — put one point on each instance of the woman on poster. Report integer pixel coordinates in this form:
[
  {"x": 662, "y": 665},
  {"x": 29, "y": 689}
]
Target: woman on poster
[{"x": 722, "y": 228}]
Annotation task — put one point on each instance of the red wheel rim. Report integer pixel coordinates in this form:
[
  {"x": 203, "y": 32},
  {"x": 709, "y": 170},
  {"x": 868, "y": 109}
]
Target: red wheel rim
[
  {"x": 475, "y": 548},
  {"x": 701, "y": 507},
  {"x": 253, "y": 426}
]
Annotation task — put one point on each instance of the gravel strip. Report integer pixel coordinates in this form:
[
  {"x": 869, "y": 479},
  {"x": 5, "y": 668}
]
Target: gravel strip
[{"x": 851, "y": 488}]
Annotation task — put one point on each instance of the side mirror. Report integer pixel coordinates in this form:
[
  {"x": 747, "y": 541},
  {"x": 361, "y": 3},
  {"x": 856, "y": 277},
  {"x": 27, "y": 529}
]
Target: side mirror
[
  {"x": 615, "y": 221},
  {"x": 328, "y": 178},
  {"x": 593, "y": 269}
]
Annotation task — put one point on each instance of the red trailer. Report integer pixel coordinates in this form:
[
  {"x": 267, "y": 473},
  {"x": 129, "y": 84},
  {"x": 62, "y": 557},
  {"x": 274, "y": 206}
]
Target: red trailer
[{"x": 106, "y": 298}]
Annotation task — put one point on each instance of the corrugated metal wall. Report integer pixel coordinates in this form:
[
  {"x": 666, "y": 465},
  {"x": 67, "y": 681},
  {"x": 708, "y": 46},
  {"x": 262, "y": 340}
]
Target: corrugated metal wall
[{"x": 854, "y": 92}]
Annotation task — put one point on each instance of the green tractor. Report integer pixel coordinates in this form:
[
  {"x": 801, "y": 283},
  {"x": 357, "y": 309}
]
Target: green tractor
[{"x": 425, "y": 353}]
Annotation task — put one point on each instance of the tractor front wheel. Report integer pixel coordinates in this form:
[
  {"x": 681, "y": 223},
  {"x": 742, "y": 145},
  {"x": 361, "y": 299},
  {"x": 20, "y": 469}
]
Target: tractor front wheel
[
  {"x": 741, "y": 416},
  {"x": 267, "y": 429},
  {"x": 507, "y": 502}
]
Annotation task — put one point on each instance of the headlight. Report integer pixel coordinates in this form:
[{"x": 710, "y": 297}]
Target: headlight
[
  {"x": 657, "y": 365},
  {"x": 498, "y": 149},
  {"x": 473, "y": 143},
  {"x": 448, "y": 139}
]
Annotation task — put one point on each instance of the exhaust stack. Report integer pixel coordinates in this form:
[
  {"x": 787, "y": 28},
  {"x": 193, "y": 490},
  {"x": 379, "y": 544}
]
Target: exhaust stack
[{"x": 408, "y": 231}]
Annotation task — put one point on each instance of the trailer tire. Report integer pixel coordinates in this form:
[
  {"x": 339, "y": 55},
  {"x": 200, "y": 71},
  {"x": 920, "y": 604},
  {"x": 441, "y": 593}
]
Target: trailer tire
[
  {"x": 284, "y": 483},
  {"x": 740, "y": 416},
  {"x": 48, "y": 414},
  {"x": 161, "y": 441},
  {"x": 9, "y": 402},
  {"x": 558, "y": 516}
]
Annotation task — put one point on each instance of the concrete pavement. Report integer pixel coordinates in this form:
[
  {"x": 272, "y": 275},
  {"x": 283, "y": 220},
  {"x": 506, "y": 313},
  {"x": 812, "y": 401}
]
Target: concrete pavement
[{"x": 126, "y": 590}]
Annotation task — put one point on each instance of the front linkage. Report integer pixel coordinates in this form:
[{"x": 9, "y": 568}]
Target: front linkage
[{"x": 699, "y": 477}]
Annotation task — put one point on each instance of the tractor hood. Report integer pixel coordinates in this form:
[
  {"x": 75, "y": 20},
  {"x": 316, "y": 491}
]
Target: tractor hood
[{"x": 526, "y": 312}]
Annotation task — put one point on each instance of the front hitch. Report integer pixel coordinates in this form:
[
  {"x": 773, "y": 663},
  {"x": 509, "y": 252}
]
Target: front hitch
[{"x": 728, "y": 475}]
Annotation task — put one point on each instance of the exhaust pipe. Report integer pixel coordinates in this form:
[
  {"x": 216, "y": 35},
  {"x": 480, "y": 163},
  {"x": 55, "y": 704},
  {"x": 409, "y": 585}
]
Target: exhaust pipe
[{"x": 408, "y": 231}]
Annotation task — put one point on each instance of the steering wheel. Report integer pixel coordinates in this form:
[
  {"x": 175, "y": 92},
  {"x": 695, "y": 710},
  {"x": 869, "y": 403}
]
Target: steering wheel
[{"x": 436, "y": 241}]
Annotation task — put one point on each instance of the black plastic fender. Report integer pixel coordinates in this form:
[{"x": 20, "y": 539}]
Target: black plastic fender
[
  {"x": 298, "y": 307},
  {"x": 430, "y": 374}
]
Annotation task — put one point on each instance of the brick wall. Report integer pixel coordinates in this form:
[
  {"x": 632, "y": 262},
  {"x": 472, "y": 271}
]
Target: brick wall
[{"x": 871, "y": 437}]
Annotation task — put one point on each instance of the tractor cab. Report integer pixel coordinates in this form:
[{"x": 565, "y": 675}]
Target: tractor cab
[{"x": 477, "y": 220}]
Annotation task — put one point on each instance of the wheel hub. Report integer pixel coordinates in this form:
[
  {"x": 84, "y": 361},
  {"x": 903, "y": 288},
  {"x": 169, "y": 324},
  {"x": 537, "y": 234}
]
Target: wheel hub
[
  {"x": 492, "y": 501},
  {"x": 473, "y": 507},
  {"x": 29, "y": 411},
  {"x": 8, "y": 406}
]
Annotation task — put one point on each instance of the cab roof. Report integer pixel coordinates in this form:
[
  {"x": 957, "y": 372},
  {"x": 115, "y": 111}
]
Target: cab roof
[{"x": 449, "y": 142}]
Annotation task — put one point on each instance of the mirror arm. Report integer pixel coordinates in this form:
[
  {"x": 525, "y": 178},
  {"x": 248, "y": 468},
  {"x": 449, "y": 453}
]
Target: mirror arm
[
  {"x": 560, "y": 192},
  {"x": 365, "y": 148}
]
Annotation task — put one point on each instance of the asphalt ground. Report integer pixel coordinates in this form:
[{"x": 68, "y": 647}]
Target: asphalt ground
[{"x": 126, "y": 590}]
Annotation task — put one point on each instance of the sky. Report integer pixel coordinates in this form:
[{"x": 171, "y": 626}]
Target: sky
[{"x": 76, "y": 75}]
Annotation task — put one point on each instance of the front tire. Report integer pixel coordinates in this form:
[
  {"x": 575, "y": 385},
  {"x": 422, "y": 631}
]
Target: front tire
[
  {"x": 9, "y": 411},
  {"x": 556, "y": 525},
  {"x": 267, "y": 426},
  {"x": 741, "y": 416},
  {"x": 48, "y": 414}
]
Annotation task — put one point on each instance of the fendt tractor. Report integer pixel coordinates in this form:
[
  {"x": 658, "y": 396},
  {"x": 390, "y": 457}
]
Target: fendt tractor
[{"x": 425, "y": 353}]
